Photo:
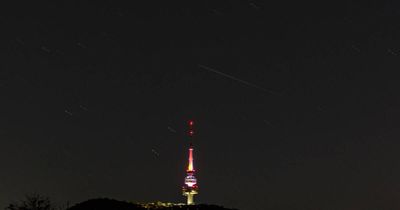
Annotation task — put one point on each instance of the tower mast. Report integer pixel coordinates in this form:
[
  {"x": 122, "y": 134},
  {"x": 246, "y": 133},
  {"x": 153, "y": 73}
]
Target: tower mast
[{"x": 190, "y": 188}]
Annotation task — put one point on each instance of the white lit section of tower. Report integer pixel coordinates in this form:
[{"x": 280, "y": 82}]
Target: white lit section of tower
[{"x": 190, "y": 188}]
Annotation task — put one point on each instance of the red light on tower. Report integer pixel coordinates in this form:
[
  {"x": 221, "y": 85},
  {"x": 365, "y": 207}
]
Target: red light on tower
[{"x": 191, "y": 132}]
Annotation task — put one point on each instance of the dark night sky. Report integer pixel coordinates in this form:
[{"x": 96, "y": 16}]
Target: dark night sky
[{"x": 88, "y": 91}]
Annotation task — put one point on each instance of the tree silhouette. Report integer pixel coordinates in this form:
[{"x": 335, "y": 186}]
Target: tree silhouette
[{"x": 32, "y": 202}]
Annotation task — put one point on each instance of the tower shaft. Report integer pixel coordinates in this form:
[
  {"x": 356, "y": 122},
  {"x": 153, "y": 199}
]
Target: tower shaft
[{"x": 190, "y": 165}]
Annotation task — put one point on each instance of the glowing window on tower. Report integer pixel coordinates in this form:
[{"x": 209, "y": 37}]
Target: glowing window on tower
[{"x": 190, "y": 181}]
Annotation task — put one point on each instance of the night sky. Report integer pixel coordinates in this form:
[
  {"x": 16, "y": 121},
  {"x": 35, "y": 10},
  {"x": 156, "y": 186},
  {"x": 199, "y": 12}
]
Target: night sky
[{"x": 296, "y": 105}]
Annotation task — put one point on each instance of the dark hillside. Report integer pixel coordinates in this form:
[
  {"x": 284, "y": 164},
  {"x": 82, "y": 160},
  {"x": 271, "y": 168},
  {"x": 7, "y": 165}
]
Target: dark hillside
[
  {"x": 105, "y": 204},
  {"x": 111, "y": 204}
]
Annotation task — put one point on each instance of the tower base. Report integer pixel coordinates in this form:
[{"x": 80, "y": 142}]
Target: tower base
[
  {"x": 190, "y": 200},
  {"x": 189, "y": 193}
]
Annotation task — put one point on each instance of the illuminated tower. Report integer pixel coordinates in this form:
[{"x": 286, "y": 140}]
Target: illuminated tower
[{"x": 190, "y": 188}]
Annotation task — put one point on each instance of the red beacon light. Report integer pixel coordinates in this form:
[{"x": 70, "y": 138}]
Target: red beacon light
[{"x": 191, "y": 123}]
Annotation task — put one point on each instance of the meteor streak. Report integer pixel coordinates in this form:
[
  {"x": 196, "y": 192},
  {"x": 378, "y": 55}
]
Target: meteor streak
[{"x": 238, "y": 80}]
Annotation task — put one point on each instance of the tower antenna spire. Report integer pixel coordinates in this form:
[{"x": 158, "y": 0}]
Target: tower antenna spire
[{"x": 190, "y": 188}]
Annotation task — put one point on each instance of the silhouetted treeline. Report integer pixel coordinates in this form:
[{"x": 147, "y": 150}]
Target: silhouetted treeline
[{"x": 32, "y": 202}]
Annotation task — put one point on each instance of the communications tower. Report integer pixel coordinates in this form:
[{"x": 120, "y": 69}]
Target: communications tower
[{"x": 190, "y": 188}]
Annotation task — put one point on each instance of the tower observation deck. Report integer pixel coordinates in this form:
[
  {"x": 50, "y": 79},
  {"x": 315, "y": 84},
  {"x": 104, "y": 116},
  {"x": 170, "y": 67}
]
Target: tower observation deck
[{"x": 190, "y": 188}]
